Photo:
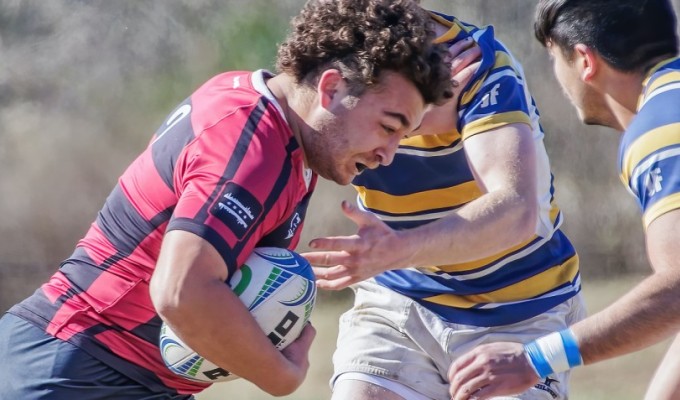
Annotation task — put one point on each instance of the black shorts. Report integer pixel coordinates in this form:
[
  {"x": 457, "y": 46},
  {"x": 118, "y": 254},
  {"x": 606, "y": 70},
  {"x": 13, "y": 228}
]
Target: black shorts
[{"x": 37, "y": 366}]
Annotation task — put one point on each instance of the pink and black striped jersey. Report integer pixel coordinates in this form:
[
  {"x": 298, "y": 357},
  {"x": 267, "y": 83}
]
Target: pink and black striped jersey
[{"x": 225, "y": 166}]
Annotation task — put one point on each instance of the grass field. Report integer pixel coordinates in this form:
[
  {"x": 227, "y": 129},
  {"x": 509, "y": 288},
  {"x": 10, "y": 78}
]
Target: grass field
[{"x": 624, "y": 378}]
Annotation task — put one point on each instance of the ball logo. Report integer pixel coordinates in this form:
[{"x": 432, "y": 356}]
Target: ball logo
[{"x": 283, "y": 328}]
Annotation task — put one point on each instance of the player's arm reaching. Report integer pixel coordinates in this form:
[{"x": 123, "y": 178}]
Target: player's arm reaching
[
  {"x": 647, "y": 314},
  {"x": 189, "y": 292},
  {"x": 666, "y": 382},
  {"x": 504, "y": 162}
]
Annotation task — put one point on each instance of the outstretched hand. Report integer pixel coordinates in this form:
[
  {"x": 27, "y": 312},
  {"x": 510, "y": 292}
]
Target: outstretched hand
[
  {"x": 344, "y": 260},
  {"x": 491, "y": 370}
]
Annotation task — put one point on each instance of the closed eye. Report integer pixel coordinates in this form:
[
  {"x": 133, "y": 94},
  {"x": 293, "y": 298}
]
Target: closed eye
[{"x": 389, "y": 130}]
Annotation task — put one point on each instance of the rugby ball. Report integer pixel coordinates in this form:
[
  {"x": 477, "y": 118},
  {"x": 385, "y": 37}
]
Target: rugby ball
[{"x": 277, "y": 285}]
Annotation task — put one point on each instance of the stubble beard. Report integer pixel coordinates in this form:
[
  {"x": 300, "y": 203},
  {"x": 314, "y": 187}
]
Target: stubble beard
[{"x": 324, "y": 149}]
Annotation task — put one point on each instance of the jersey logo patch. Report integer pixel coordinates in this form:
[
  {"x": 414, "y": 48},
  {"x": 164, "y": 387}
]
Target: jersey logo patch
[
  {"x": 653, "y": 182},
  {"x": 237, "y": 208},
  {"x": 491, "y": 97}
]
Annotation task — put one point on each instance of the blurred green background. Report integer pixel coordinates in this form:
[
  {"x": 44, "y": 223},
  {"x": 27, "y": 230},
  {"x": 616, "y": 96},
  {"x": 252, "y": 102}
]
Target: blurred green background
[{"x": 84, "y": 84}]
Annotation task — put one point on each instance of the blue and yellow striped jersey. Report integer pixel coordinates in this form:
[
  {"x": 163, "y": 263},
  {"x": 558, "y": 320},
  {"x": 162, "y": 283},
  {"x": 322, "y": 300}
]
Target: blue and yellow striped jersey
[
  {"x": 649, "y": 154},
  {"x": 430, "y": 178}
]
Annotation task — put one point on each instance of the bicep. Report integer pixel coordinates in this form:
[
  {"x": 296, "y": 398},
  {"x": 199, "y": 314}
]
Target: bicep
[
  {"x": 185, "y": 259},
  {"x": 504, "y": 157},
  {"x": 662, "y": 236}
]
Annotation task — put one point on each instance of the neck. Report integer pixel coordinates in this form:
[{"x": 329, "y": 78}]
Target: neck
[
  {"x": 621, "y": 94},
  {"x": 287, "y": 93}
]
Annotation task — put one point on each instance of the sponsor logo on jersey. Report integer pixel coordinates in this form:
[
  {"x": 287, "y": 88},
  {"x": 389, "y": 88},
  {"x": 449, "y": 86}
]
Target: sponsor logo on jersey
[
  {"x": 547, "y": 386},
  {"x": 237, "y": 208},
  {"x": 294, "y": 223}
]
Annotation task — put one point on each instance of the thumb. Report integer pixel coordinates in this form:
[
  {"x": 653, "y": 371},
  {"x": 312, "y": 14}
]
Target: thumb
[{"x": 359, "y": 217}]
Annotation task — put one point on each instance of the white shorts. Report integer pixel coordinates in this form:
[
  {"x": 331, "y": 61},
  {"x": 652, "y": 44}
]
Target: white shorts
[{"x": 392, "y": 337}]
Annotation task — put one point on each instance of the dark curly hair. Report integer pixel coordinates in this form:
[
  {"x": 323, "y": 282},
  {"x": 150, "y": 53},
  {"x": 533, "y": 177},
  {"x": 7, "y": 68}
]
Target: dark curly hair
[{"x": 363, "y": 38}]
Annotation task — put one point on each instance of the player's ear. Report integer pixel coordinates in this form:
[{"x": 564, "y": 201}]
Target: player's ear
[
  {"x": 587, "y": 62},
  {"x": 331, "y": 88}
]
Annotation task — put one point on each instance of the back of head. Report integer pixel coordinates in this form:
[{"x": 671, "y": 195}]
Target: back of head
[
  {"x": 362, "y": 39},
  {"x": 631, "y": 35}
]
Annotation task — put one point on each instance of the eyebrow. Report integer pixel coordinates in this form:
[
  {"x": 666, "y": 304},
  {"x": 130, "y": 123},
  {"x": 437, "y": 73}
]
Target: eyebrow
[{"x": 401, "y": 117}]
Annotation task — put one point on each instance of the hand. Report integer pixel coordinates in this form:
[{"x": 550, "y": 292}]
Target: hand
[
  {"x": 373, "y": 249},
  {"x": 298, "y": 354},
  {"x": 465, "y": 60},
  {"x": 491, "y": 370}
]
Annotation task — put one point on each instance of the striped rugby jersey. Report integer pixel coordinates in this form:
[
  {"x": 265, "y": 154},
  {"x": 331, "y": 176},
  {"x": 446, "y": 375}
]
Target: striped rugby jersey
[
  {"x": 224, "y": 166},
  {"x": 650, "y": 147},
  {"x": 430, "y": 178}
]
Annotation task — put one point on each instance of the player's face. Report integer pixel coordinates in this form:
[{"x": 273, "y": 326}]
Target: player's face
[
  {"x": 364, "y": 132},
  {"x": 588, "y": 102}
]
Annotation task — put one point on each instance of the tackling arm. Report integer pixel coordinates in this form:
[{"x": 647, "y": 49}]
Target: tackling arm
[
  {"x": 648, "y": 313},
  {"x": 504, "y": 163}
]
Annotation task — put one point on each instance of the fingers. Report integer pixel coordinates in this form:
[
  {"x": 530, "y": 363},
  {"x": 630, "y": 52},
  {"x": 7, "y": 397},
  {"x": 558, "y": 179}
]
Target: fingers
[
  {"x": 330, "y": 273},
  {"x": 327, "y": 258},
  {"x": 336, "y": 284},
  {"x": 307, "y": 335},
  {"x": 334, "y": 244},
  {"x": 360, "y": 218},
  {"x": 491, "y": 370},
  {"x": 299, "y": 347},
  {"x": 465, "y": 75},
  {"x": 460, "y": 46},
  {"x": 473, "y": 389},
  {"x": 459, "y": 373},
  {"x": 465, "y": 58}
]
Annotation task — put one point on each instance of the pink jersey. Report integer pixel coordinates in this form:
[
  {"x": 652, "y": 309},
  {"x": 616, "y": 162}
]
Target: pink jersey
[{"x": 225, "y": 166}]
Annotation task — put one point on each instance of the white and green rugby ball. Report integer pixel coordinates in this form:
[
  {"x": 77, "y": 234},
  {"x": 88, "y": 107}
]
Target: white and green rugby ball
[{"x": 277, "y": 285}]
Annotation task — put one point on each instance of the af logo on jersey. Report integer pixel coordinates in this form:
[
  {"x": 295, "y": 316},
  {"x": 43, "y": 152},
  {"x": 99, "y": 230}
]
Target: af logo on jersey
[{"x": 653, "y": 182}]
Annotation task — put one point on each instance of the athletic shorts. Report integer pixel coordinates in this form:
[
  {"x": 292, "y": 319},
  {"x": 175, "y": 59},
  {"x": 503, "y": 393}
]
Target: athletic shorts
[
  {"x": 38, "y": 366},
  {"x": 391, "y": 336}
]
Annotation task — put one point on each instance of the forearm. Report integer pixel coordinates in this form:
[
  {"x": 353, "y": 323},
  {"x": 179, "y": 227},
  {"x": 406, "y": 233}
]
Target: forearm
[
  {"x": 489, "y": 225},
  {"x": 666, "y": 382},
  {"x": 214, "y": 322},
  {"x": 647, "y": 314}
]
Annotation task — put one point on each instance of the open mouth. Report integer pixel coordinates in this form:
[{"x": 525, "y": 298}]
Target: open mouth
[{"x": 360, "y": 167}]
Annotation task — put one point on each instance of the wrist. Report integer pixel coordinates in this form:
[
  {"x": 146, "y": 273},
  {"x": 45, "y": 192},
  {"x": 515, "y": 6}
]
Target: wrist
[
  {"x": 553, "y": 353},
  {"x": 403, "y": 246}
]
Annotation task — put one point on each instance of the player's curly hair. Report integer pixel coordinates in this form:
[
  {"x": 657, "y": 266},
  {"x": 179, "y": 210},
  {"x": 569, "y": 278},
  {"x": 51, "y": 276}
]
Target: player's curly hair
[{"x": 363, "y": 38}]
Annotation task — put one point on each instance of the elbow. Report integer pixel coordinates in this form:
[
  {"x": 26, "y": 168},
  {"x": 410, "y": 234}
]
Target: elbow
[
  {"x": 278, "y": 384},
  {"x": 287, "y": 388},
  {"x": 166, "y": 300},
  {"x": 527, "y": 220}
]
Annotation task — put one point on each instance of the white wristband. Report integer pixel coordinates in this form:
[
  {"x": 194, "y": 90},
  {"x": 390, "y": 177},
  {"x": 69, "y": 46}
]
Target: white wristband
[{"x": 556, "y": 352}]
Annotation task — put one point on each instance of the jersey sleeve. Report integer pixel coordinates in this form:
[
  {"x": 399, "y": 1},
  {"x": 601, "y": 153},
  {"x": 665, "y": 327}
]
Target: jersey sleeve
[
  {"x": 497, "y": 98},
  {"x": 649, "y": 158},
  {"x": 223, "y": 181}
]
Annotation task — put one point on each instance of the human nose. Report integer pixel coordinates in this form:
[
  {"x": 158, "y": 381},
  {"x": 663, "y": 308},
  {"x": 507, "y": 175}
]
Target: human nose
[{"x": 386, "y": 154}]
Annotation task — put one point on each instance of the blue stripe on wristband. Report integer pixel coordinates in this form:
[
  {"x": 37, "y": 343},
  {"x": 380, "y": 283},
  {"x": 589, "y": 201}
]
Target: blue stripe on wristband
[
  {"x": 538, "y": 360},
  {"x": 571, "y": 348}
]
